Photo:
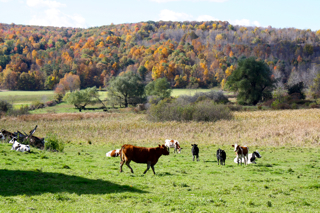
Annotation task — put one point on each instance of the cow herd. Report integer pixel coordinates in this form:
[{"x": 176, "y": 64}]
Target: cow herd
[{"x": 150, "y": 156}]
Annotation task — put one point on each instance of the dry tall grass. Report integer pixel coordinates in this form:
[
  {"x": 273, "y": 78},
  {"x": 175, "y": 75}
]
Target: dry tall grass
[{"x": 259, "y": 128}]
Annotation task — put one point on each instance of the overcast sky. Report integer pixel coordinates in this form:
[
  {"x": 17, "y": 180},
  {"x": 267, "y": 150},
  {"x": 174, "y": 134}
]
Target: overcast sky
[{"x": 88, "y": 13}]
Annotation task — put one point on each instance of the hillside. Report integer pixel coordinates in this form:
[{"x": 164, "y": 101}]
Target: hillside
[{"x": 200, "y": 54}]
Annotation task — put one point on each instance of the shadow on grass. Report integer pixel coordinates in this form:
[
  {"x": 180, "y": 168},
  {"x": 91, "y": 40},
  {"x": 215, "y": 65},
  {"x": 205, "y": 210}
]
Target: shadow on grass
[{"x": 16, "y": 182}]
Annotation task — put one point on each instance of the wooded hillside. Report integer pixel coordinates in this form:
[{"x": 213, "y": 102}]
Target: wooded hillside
[{"x": 195, "y": 54}]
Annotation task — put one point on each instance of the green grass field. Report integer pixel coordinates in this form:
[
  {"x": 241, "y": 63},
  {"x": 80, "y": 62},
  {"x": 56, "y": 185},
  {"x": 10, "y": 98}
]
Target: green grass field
[{"x": 82, "y": 179}]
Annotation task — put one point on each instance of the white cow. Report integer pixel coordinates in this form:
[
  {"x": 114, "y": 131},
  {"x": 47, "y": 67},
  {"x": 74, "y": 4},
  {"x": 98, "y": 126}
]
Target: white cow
[
  {"x": 113, "y": 153},
  {"x": 20, "y": 147},
  {"x": 173, "y": 144},
  {"x": 251, "y": 158}
]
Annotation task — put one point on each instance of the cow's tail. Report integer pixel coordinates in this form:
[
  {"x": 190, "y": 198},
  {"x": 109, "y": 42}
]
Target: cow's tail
[{"x": 123, "y": 156}]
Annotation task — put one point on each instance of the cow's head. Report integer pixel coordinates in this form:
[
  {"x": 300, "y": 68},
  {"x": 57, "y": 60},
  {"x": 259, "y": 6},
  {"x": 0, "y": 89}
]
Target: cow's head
[
  {"x": 13, "y": 140},
  {"x": 177, "y": 145},
  {"x": 236, "y": 147},
  {"x": 257, "y": 154},
  {"x": 163, "y": 149},
  {"x": 2, "y": 136}
]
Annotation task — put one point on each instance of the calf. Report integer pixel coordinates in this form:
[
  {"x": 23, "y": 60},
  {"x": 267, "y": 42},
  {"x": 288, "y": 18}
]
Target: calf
[
  {"x": 195, "y": 151},
  {"x": 173, "y": 144},
  {"x": 221, "y": 156},
  {"x": 20, "y": 147},
  {"x": 251, "y": 158},
  {"x": 241, "y": 152},
  {"x": 113, "y": 153},
  {"x": 150, "y": 156}
]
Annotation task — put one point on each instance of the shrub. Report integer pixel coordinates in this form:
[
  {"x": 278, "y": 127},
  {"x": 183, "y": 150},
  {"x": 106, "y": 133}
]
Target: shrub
[
  {"x": 313, "y": 105},
  {"x": 52, "y": 143},
  {"x": 51, "y": 103},
  {"x": 280, "y": 105},
  {"x": 58, "y": 97},
  {"x": 5, "y": 106},
  {"x": 23, "y": 110},
  {"x": 36, "y": 105},
  {"x": 209, "y": 111},
  {"x": 234, "y": 107},
  {"x": 182, "y": 110},
  {"x": 298, "y": 89},
  {"x": 294, "y": 106},
  {"x": 217, "y": 97}
]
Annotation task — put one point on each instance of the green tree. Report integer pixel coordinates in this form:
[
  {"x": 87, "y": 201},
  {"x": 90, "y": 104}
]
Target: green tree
[
  {"x": 142, "y": 72},
  {"x": 315, "y": 87},
  {"x": 126, "y": 89},
  {"x": 252, "y": 80},
  {"x": 159, "y": 87},
  {"x": 81, "y": 98}
]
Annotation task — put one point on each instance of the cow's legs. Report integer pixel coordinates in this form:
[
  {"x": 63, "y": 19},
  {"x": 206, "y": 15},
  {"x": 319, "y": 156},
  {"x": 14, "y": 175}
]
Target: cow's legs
[
  {"x": 148, "y": 167},
  {"x": 218, "y": 161},
  {"x": 128, "y": 164},
  {"x": 193, "y": 158},
  {"x": 152, "y": 166},
  {"x": 121, "y": 164},
  {"x": 197, "y": 157}
]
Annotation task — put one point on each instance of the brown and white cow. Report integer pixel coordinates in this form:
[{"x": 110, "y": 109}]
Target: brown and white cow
[
  {"x": 137, "y": 154},
  {"x": 173, "y": 144},
  {"x": 113, "y": 153},
  {"x": 6, "y": 134},
  {"x": 241, "y": 152}
]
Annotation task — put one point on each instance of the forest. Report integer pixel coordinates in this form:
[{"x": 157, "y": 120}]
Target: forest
[{"x": 189, "y": 54}]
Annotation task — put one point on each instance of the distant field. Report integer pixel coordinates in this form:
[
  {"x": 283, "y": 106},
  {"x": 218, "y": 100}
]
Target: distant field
[{"x": 19, "y": 98}]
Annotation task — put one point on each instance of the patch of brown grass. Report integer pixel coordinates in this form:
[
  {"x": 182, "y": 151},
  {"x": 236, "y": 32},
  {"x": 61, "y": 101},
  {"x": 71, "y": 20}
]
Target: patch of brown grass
[{"x": 256, "y": 128}]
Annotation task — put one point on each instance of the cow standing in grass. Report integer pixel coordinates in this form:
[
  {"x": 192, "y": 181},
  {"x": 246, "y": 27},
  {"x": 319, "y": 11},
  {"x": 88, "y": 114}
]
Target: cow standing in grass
[
  {"x": 195, "y": 151},
  {"x": 241, "y": 152},
  {"x": 150, "y": 156},
  {"x": 221, "y": 156},
  {"x": 251, "y": 158},
  {"x": 173, "y": 144}
]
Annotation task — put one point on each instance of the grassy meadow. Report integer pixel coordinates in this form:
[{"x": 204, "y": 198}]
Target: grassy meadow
[{"x": 82, "y": 179}]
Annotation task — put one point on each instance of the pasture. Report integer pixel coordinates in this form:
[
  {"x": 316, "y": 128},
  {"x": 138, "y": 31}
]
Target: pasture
[{"x": 82, "y": 179}]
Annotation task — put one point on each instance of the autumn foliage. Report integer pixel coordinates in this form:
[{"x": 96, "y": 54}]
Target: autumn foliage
[{"x": 186, "y": 53}]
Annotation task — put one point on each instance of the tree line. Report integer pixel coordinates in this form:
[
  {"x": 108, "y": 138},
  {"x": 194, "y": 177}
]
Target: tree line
[{"x": 187, "y": 54}]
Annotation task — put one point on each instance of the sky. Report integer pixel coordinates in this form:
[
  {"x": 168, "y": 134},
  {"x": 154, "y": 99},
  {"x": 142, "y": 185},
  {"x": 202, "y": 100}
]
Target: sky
[{"x": 91, "y": 13}]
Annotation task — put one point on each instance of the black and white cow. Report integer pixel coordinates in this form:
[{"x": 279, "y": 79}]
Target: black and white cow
[
  {"x": 195, "y": 151},
  {"x": 18, "y": 146},
  {"x": 251, "y": 158},
  {"x": 221, "y": 156}
]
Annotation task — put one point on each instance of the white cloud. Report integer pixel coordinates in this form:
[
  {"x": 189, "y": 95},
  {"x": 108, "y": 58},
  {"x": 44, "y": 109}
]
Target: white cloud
[
  {"x": 169, "y": 15},
  {"x": 52, "y": 15},
  {"x": 44, "y": 3},
  {"x": 245, "y": 22},
  {"x": 4, "y": 1},
  {"x": 165, "y": 1}
]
